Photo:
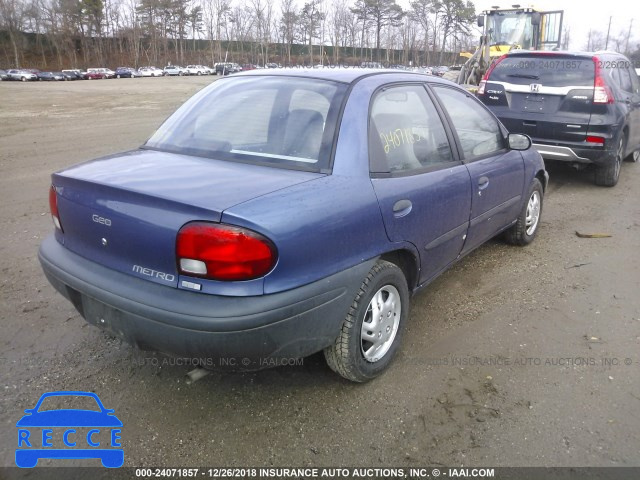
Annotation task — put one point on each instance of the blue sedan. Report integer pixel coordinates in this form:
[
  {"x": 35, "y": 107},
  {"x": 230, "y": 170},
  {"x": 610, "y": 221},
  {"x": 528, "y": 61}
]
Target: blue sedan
[{"x": 281, "y": 213}]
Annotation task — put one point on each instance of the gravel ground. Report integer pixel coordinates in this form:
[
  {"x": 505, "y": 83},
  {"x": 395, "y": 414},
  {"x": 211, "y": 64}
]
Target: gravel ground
[{"x": 514, "y": 357}]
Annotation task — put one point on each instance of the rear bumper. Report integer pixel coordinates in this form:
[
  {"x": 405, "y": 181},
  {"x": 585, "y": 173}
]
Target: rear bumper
[
  {"x": 245, "y": 332},
  {"x": 573, "y": 154}
]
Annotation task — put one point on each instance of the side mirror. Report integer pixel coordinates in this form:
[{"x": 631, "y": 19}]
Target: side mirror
[
  {"x": 480, "y": 20},
  {"x": 518, "y": 141}
]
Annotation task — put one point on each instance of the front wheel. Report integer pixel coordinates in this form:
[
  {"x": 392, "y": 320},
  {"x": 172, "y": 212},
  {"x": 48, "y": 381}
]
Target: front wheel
[
  {"x": 524, "y": 230},
  {"x": 372, "y": 330}
]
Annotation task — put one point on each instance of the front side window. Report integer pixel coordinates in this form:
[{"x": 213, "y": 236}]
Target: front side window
[
  {"x": 405, "y": 131},
  {"x": 478, "y": 131},
  {"x": 280, "y": 121}
]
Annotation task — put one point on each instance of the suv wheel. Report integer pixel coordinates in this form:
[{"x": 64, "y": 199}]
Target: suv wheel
[
  {"x": 372, "y": 329},
  {"x": 607, "y": 176}
]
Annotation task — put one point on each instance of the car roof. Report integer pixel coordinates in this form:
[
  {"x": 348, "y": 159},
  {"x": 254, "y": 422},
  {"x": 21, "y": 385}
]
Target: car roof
[{"x": 342, "y": 74}]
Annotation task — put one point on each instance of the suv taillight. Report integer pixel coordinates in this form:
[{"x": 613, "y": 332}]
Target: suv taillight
[
  {"x": 222, "y": 252},
  {"x": 53, "y": 207},
  {"x": 602, "y": 94},
  {"x": 485, "y": 77}
]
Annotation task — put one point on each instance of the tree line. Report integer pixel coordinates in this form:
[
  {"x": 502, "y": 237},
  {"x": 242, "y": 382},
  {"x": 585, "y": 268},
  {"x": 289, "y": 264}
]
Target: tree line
[{"x": 77, "y": 33}]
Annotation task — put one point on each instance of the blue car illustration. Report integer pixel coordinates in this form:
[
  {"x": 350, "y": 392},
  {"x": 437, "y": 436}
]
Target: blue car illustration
[{"x": 69, "y": 433}]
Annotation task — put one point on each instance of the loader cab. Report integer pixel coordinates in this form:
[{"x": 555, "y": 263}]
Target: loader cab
[{"x": 521, "y": 28}]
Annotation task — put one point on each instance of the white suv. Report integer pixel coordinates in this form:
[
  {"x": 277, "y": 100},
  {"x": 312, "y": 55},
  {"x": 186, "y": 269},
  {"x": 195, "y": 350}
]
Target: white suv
[{"x": 197, "y": 70}]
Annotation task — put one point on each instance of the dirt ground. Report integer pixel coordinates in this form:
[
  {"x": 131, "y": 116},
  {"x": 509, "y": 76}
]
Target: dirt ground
[{"x": 515, "y": 357}]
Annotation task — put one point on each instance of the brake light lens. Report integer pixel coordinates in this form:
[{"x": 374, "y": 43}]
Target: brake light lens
[
  {"x": 53, "y": 208},
  {"x": 485, "y": 77},
  {"x": 594, "y": 139},
  {"x": 602, "y": 94},
  {"x": 223, "y": 252}
]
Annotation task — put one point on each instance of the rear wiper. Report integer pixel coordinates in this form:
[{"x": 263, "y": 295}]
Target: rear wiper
[{"x": 523, "y": 75}]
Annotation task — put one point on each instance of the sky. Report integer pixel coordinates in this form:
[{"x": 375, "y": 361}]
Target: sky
[{"x": 579, "y": 15}]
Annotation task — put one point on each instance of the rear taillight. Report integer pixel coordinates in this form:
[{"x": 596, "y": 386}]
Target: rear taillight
[
  {"x": 485, "y": 77},
  {"x": 223, "y": 252},
  {"x": 602, "y": 94},
  {"x": 53, "y": 207},
  {"x": 595, "y": 139}
]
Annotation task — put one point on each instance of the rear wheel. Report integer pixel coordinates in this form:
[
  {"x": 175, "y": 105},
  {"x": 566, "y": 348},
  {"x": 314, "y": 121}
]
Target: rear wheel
[
  {"x": 372, "y": 330},
  {"x": 608, "y": 175},
  {"x": 524, "y": 230}
]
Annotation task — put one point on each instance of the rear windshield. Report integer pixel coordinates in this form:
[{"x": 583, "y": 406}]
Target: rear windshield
[
  {"x": 547, "y": 70},
  {"x": 281, "y": 121}
]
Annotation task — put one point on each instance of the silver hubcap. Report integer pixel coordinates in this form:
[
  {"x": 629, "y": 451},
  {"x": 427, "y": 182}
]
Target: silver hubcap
[
  {"x": 636, "y": 156},
  {"x": 533, "y": 213},
  {"x": 380, "y": 324}
]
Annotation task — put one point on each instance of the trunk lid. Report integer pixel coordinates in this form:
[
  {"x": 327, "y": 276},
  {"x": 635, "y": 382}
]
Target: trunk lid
[
  {"x": 546, "y": 96},
  {"x": 124, "y": 211}
]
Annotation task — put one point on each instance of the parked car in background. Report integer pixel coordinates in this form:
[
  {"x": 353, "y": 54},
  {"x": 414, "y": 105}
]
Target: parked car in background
[
  {"x": 227, "y": 68},
  {"x": 578, "y": 107},
  {"x": 126, "y": 72},
  {"x": 380, "y": 181},
  {"x": 248, "y": 66},
  {"x": 151, "y": 72},
  {"x": 91, "y": 74},
  {"x": 78, "y": 74},
  {"x": 371, "y": 65},
  {"x": 173, "y": 70},
  {"x": 21, "y": 75},
  {"x": 50, "y": 76},
  {"x": 69, "y": 76},
  {"x": 105, "y": 72},
  {"x": 197, "y": 70},
  {"x": 4, "y": 75},
  {"x": 440, "y": 70}
]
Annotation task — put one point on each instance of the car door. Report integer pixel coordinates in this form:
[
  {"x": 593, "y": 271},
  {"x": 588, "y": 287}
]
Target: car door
[
  {"x": 423, "y": 190},
  {"x": 497, "y": 173}
]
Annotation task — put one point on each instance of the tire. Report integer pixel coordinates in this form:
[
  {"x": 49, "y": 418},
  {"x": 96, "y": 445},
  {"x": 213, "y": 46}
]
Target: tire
[
  {"x": 180, "y": 74},
  {"x": 526, "y": 227},
  {"x": 23, "y": 79},
  {"x": 358, "y": 359},
  {"x": 608, "y": 175},
  {"x": 633, "y": 157},
  {"x": 117, "y": 76}
]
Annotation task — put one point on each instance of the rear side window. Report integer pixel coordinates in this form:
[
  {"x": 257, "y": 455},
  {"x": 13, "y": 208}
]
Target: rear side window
[{"x": 548, "y": 70}]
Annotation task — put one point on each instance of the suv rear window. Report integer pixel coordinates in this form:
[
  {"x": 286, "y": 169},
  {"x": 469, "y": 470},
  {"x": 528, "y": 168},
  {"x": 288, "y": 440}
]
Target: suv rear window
[{"x": 547, "y": 70}]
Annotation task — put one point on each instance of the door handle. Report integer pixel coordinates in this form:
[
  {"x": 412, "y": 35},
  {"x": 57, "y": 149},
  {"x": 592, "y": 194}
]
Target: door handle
[
  {"x": 402, "y": 208},
  {"x": 483, "y": 182}
]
